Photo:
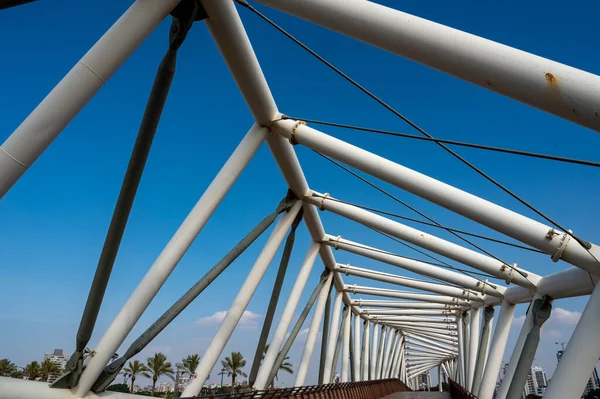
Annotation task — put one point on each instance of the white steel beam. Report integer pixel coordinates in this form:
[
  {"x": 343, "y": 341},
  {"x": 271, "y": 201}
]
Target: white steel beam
[
  {"x": 474, "y": 337},
  {"x": 76, "y": 89},
  {"x": 286, "y": 316},
  {"x": 581, "y": 355},
  {"x": 169, "y": 257},
  {"x": 402, "y": 304},
  {"x": 408, "y": 282},
  {"x": 556, "y": 88},
  {"x": 405, "y": 295},
  {"x": 494, "y": 216},
  {"x": 435, "y": 244},
  {"x": 233, "y": 316},
  {"x": 416, "y": 266},
  {"x": 227, "y": 30},
  {"x": 313, "y": 331},
  {"x": 405, "y": 312},
  {"x": 356, "y": 376},
  {"x": 15, "y": 388}
]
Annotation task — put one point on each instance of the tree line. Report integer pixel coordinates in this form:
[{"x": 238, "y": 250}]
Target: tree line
[{"x": 155, "y": 367}]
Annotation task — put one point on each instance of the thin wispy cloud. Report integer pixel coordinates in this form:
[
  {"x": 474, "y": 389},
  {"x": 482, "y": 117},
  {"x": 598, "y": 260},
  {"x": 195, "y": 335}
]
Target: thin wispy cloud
[{"x": 249, "y": 319}]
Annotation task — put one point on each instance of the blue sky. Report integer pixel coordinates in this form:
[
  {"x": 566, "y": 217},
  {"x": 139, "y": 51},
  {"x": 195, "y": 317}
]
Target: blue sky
[{"x": 55, "y": 218}]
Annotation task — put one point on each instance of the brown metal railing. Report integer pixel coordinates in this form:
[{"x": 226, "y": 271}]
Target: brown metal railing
[
  {"x": 347, "y": 390},
  {"x": 458, "y": 391}
]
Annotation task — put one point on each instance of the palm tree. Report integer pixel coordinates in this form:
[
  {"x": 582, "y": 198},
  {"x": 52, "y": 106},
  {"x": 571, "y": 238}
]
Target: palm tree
[
  {"x": 285, "y": 365},
  {"x": 7, "y": 368},
  {"x": 191, "y": 363},
  {"x": 47, "y": 368},
  {"x": 32, "y": 370},
  {"x": 158, "y": 366},
  {"x": 134, "y": 368},
  {"x": 233, "y": 366}
]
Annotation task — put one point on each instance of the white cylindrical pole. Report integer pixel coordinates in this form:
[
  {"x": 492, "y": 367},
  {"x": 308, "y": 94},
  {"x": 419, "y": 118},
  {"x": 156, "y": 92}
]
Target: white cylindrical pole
[
  {"x": 313, "y": 331},
  {"x": 497, "y": 347},
  {"x": 404, "y": 312},
  {"x": 409, "y": 282},
  {"x": 77, "y": 88},
  {"x": 386, "y": 351},
  {"x": 346, "y": 348},
  {"x": 580, "y": 357},
  {"x": 333, "y": 335},
  {"x": 443, "y": 247},
  {"x": 516, "y": 355},
  {"x": 405, "y": 263},
  {"x": 406, "y": 295},
  {"x": 474, "y": 337},
  {"x": 374, "y": 351},
  {"x": 556, "y": 88},
  {"x": 402, "y": 304},
  {"x": 440, "y": 378},
  {"x": 461, "y": 351},
  {"x": 240, "y": 302},
  {"x": 391, "y": 353},
  {"x": 477, "y": 209},
  {"x": 286, "y": 316},
  {"x": 365, "y": 355},
  {"x": 381, "y": 351},
  {"x": 169, "y": 257},
  {"x": 356, "y": 359}
]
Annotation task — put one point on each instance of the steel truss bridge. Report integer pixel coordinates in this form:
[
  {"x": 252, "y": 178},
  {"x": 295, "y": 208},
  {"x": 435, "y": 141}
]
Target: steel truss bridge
[{"x": 447, "y": 324}]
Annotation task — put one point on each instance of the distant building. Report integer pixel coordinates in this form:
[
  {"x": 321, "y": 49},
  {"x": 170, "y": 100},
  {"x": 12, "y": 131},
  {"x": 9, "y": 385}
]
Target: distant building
[
  {"x": 183, "y": 381},
  {"x": 164, "y": 387},
  {"x": 536, "y": 381},
  {"x": 593, "y": 382},
  {"x": 59, "y": 359}
]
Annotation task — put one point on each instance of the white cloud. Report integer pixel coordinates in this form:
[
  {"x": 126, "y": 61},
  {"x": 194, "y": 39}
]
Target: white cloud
[
  {"x": 249, "y": 319},
  {"x": 565, "y": 317},
  {"x": 303, "y": 332},
  {"x": 551, "y": 333}
]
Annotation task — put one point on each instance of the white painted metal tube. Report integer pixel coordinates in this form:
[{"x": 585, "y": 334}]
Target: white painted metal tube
[
  {"x": 333, "y": 333},
  {"x": 580, "y": 356},
  {"x": 404, "y": 263},
  {"x": 391, "y": 352},
  {"x": 441, "y": 335},
  {"x": 404, "y": 312},
  {"x": 412, "y": 339},
  {"x": 346, "y": 348},
  {"x": 356, "y": 351},
  {"x": 514, "y": 358},
  {"x": 286, "y": 316},
  {"x": 229, "y": 34},
  {"x": 366, "y": 352},
  {"x": 405, "y": 295},
  {"x": 374, "y": 353},
  {"x": 401, "y": 304},
  {"x": 435, "y": 244},
  {"x": 381, "y": 351},
  {"x": 460, "y": 372},
  {"x": 474, "y": 337},
  {"x": 421, "y": 319},
  {"x": 556, "y": 88},
  {"x": 169, "y": 257},
  {"x": 240, "y": 302},
  {"x": 477, "y": 209},
  {"x": 408, "y": 282},
  {"x": 76, "y": 89},
  {"x": 313, "y": 331},
  {"x": 566, "y": 283}
]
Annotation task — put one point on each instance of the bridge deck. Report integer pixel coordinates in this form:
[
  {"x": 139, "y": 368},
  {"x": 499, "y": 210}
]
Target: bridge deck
[{"x": 419, "y": 395}]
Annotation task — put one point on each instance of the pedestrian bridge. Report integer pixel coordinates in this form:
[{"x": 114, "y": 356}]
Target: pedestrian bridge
[{"x": 390, "y": 341}]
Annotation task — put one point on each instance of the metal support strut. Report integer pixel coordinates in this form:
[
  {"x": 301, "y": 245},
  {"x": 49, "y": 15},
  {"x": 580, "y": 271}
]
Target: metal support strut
[{"x": 131, "y": 181}]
